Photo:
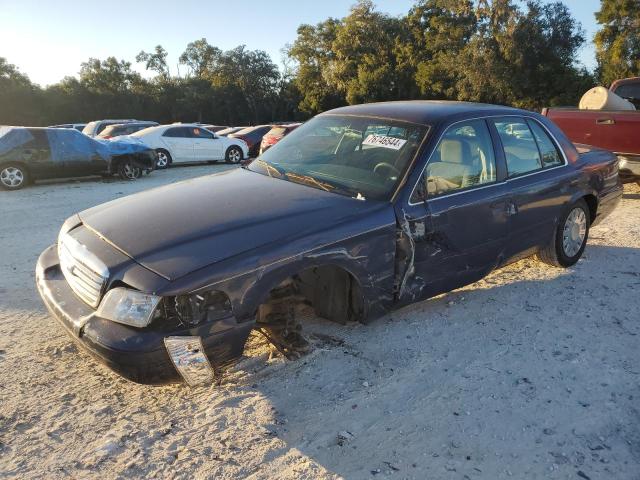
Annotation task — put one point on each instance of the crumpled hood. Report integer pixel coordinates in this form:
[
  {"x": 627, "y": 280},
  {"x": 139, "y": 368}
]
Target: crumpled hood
[{"x": 179, "y": 228}]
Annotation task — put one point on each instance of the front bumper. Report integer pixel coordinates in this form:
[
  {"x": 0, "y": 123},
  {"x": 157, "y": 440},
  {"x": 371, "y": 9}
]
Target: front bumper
[
  {"x": 137, "y": 354},
  {"x": 629, "y": 168}
]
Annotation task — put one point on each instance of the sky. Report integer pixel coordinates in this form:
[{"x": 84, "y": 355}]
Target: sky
[{"x": 49, "y": 39}]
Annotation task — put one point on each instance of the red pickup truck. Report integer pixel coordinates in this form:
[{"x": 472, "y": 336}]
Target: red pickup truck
[{"x": 617, "y": 131}]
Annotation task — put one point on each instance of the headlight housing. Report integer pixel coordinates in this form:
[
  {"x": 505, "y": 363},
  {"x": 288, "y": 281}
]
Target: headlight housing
[
  {"x": 129, "y": 307},
  {"x": 193, "y": 309}
]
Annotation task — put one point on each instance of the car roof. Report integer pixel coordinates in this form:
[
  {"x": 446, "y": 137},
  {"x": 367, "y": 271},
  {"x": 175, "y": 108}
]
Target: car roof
[
  {"x": 425, "y": 112},
  {"x": 128, "y": 124},
  {"x": 252, "y": 128}
]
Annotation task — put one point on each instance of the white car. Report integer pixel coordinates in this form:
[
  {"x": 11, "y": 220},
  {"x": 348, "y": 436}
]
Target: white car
[{"x": 185, "y": 142}]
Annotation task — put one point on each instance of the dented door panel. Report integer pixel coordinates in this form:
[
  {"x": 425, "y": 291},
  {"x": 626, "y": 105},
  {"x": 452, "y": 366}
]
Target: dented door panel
[{"x": 455, "y": 240}]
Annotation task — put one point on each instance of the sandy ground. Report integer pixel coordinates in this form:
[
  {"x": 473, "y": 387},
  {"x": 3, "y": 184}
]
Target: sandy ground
[{"x": 531, "y": 373}]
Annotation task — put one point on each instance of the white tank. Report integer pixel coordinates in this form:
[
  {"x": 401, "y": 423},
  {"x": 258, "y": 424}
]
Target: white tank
[{"x": 599, "y": 98}]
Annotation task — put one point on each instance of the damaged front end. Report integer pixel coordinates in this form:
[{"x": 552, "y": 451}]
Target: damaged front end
[{"x": 144, "y": 338}]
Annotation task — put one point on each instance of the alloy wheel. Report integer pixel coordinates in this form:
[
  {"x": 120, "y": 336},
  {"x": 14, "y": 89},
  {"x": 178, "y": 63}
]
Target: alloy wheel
[
  {"x": 234, "y": 155},
  {"x": 574, "y": 232},
  {"x": 12, "y": 177},
  {"x": 130, "y": 171},
  {"x": 162, "y": 161}
]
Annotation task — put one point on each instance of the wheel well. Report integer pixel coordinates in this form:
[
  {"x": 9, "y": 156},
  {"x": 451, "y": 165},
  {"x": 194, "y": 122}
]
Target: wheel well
[
  {"x": 333, "y": 292},
  {"x": 592, "y": 203},
  {"x": 119, "y": 159},
  {"x": 21, "y": 164}
]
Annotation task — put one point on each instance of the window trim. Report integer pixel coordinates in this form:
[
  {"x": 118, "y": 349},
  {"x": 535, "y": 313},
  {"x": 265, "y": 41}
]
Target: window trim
[
  {"x": 518, "y": 175},
  {"x": 497, "y": 183},
  {"x": 493, "y": 151},
  {"x": 533, "y": 134}
]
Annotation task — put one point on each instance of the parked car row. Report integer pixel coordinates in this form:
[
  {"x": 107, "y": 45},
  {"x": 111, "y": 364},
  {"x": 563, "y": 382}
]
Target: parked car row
[{"x": 179, "y": 143}]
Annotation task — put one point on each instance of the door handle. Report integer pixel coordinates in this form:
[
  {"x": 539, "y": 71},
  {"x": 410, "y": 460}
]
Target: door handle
[{"x": 605, "y": 121}]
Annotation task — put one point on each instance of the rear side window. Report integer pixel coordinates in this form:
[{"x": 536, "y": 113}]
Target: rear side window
[
  {"x": 277, "y": 131},
  {"x": 548, "y": 151},
  {"x": 463, "y": 159},
  {"x": 630, "y": 91},
  {"x": 520, "y": 148}
]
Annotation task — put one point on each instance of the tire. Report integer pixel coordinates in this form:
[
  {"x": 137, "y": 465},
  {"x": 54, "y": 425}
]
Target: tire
[
  {"x": 13, "y": 176},
  {"x": 570, "y": 237},
  {"x": 233, "y": 155},
  {"x": 164, "y": 159},
  {"x": 126, "y": 171}
]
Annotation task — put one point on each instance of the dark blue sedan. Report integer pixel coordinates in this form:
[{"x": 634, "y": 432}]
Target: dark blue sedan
[{"x": 359, "y": 211}]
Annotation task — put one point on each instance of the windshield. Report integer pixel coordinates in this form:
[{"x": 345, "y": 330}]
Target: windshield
[{"x": 362, "y": 157}]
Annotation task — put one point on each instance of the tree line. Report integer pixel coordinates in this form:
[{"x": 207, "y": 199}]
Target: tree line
[{"x": 496, "y": 51}]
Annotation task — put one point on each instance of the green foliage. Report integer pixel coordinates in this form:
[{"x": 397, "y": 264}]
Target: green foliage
[
  {"x": 19, "y": 98},
  {"x": 494, "y": 51},
  {"x": 618, "y": 41},
  {"x": 236, "y": 87}
]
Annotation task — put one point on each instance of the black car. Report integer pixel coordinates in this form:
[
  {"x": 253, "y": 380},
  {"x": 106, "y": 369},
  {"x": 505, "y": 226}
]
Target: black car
[
  {"x": 252, "y": 136},
  {"x": 359, "y": 211},
  {"x": 28, "y": 154},
  {"x": 118, "y": 129}
]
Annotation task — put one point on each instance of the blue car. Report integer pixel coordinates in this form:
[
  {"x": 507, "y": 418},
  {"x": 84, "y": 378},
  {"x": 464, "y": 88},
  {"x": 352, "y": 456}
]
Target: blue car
[
  {"x": 28, "y": 154},
  {"x": 359, "y": 211}
]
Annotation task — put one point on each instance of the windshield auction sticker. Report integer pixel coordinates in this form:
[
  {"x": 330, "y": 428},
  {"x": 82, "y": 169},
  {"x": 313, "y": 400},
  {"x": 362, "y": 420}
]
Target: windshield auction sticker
[{"x": 384, "y": 141}]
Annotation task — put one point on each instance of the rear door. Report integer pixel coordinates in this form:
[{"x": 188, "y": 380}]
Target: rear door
[
  {"x": 37, "y": 155},
  {"x": 76, "y": 153},
  {"x": 536, "y": 177},
  {"x": 206, "y": 145},
  {"x": 180, "y": 143},
  {"x": 459, "y": 233}
]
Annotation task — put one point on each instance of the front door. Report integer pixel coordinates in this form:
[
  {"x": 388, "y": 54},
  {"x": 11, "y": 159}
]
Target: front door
[
  {"x": 206, "y": 145},
  {"x": 179, "y": 141},
  {"x": 454, "y": 229}
]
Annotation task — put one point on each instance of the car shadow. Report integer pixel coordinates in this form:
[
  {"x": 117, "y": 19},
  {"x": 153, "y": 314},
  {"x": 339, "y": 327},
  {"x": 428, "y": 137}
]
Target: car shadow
[{"x": 483, "y": 380}]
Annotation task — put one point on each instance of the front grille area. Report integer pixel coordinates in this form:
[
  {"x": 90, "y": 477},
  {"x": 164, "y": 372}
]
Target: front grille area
[{"x": 84, "y": 272}]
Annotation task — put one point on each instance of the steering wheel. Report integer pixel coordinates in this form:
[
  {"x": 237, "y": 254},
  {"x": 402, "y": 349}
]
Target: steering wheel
[{"x": 386, "y": 166}]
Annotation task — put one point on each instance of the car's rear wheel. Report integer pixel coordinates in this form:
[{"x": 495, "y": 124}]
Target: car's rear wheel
[
  {"x": 570, "y": 237},
  {"x": 128, "y": 171},
  {"x": 13, "y": 176},
  {"x": 233, "y": 155},
  {"x": 164, "y": 159}
]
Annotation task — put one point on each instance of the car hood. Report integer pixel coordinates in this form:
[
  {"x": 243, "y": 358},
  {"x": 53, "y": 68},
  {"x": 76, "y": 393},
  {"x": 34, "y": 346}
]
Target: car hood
[{"x": 179, "y": 228}]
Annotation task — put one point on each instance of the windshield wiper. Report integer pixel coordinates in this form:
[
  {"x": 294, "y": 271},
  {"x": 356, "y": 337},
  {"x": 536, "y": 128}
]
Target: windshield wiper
[
  {"x": 308, "y": 179},
  {"x": 270, "y": 166}
]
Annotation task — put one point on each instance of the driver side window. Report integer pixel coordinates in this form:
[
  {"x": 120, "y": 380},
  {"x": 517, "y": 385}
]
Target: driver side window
[{"x": 463, "y": 159}]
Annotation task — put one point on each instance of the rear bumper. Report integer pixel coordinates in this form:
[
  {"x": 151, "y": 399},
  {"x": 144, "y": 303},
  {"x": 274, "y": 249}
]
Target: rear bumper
[
  {"x": 607, "y": 204},
  {"x": 139, "y": 355}
]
